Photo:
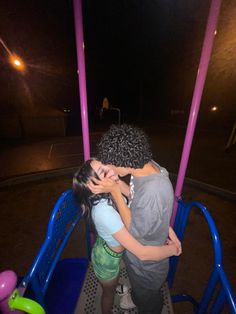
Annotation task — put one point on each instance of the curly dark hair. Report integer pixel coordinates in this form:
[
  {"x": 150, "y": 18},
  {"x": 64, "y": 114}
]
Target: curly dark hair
[
  {"x": 82, "y": 194},
  {"x": 124, "y": 146}
]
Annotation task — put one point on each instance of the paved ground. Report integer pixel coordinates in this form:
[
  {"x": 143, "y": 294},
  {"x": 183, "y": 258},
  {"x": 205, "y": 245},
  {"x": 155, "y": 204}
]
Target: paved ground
[
  {"x": 208, "y": 161},
  {"x": 25, "y": 207}
]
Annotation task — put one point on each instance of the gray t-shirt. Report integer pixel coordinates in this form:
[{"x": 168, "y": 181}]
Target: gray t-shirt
[{"x": 151, "y": 208}]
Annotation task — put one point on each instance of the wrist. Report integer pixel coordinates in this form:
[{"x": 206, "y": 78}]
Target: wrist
[
  {"x": 116, "y": 192},
  {"x": 172, "y": 249}
]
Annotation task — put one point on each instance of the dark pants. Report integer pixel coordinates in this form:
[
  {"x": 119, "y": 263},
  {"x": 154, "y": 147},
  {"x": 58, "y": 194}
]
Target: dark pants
[{"x": 147, "y": 301}]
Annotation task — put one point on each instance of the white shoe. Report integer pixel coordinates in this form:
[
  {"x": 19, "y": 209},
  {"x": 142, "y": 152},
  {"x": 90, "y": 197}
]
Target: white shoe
[
  {"x": 126, "y": 302},
  {"x": 122, "y": 289}
]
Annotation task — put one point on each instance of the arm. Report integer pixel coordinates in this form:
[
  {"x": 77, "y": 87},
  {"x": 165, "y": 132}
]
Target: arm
[
  {"x": 106, "y": 218},
  {"x": 154, "y": 253},
  {"x": 110, "y": 186},
  {"x": 123, "y": 209}
]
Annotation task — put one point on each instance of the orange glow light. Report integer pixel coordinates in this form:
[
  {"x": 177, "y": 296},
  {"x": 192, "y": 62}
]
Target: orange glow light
[{"x": 17, "y": 62}]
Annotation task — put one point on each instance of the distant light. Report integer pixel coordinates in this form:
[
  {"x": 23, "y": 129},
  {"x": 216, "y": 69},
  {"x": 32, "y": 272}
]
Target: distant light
[
  {"x": 17, "y": 62},
  {"x": 215, "y": 32},
  {"x": 214, "y": 108}
]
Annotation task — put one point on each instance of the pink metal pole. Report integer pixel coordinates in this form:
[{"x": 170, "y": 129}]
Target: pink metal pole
[
  {"x": 197, "y": 95},
  {"x": 78, "y": 17}
]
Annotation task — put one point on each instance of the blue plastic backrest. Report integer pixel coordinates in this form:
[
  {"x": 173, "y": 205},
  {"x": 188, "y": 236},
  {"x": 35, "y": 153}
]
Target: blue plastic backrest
[
  {"x": 218, "y": 276},
  {"x": 64, "y": 218}
]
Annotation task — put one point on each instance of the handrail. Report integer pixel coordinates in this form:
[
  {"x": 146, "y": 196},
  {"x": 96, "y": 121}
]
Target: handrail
[{"x": 218, "y": 274}]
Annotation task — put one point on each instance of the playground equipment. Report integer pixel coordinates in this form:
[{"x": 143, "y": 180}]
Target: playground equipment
[
  {"x": 218, "y": 290},
  {"x": 47, "y": 279},
  {"x": 57, "y": 284},
  {"x": 11, "y": 299}
]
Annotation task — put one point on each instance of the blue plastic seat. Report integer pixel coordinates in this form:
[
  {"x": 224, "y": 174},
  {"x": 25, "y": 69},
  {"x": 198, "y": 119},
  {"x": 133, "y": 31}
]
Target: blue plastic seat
[
  {"x": 52, "y": 282},
  {"x": 218, "y": 292}
]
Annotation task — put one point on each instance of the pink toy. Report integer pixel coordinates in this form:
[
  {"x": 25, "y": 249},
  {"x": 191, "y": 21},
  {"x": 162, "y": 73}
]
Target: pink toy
[{"x": 8, "y": 280}]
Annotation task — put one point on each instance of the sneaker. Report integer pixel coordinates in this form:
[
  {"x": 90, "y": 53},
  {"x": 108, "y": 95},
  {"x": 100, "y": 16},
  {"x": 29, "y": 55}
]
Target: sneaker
[
  {"x": 122, "y": 289},
  {"x": 126, "y": 302}
]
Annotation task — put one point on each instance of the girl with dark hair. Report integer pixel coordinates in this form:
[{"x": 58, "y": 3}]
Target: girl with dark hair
[{"x": 112, "y": 237}]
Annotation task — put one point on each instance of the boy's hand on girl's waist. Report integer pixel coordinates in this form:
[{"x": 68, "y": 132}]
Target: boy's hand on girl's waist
[{"x": 177, "y": 249}]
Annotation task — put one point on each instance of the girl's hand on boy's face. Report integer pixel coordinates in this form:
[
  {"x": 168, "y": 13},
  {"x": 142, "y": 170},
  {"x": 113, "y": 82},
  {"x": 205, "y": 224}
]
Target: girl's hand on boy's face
[
  {"x": 108, "y": 172},
  {"x": 106, "y": 185}
]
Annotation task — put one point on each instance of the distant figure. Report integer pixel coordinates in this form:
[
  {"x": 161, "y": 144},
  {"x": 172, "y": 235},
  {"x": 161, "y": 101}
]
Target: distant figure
[
  {"x": 104, "y": 108},
  {"x": 113, "y": 237},
  {"x": 126, "y": 150},
  {"x": 107, "y": 110},
  {"x": 105, "y": 103}
]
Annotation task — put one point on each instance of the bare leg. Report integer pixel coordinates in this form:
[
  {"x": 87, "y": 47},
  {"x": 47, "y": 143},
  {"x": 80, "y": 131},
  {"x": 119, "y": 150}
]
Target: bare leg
[{"x": 108, "y": 294}]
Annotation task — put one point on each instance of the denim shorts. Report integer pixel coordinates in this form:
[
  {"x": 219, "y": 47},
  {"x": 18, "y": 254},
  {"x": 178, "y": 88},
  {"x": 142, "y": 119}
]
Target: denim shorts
[{"x": 106, "y": 262}]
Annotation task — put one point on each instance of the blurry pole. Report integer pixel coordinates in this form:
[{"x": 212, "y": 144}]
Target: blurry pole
[
  {"x": 78, "y": 18},
  {"x": 5, "y": 46},
  {"x": 197, "y": 95}
]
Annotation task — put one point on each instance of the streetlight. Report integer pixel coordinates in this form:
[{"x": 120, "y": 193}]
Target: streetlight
[
  {"x": 14, "y": 60},
  {"x": 17, "y": 62}
]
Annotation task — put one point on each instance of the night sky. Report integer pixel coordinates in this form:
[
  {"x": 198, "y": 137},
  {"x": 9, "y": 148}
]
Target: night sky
[{"x": 141, "y": 54}]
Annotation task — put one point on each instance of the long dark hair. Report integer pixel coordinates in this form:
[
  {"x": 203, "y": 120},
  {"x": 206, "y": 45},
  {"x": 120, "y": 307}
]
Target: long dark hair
[{"x": 82, "y": 194}]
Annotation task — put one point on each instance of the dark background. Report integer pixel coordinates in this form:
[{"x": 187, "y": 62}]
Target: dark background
[{"x": 140, "y": 54}]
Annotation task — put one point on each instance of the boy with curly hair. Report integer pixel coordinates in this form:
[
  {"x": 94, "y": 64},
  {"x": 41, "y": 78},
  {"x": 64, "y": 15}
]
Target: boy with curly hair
[{"x": 125, "y": 150}]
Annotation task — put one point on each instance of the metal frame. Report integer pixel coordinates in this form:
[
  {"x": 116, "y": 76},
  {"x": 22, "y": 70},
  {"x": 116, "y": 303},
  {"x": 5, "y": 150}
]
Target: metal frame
[
  {"x": 211, "y": 301},
  {"x": 45, "y": 280}
]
